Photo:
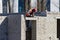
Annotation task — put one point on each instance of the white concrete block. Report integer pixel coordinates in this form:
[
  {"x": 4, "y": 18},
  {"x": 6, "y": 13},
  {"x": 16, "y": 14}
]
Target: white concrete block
[{"x": 23, "y": 28}]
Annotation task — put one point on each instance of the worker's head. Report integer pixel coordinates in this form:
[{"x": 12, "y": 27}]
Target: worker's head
[{"x": 33, "y": 10}]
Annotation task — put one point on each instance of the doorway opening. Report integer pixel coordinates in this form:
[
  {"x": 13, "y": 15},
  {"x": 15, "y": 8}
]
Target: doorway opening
[
  {"x": 58, "y": 28},
  {"x": 30, "y": 29}
]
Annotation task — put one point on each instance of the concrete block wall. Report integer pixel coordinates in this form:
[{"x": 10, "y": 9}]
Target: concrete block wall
[
  {"x": 46, "y": 27},
  {"x": 51, "y": 24},
  {"x": 51, "y": 28},
  {"x": 43, "y": 28},
  {"x": 38, "y": 27}
]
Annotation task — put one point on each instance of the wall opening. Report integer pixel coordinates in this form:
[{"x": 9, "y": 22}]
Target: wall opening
[
  {"x": 30, "y": 29},
  {"x": 58, "y": 28}
]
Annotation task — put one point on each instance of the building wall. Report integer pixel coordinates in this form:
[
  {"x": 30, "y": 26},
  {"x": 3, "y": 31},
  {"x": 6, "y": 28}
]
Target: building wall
[
  {"x": 43, "y": 28},
  {"x": 46, "y": 27}
]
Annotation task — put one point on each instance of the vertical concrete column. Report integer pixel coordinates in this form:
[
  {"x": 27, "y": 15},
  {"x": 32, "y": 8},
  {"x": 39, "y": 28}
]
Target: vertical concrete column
[
  {"x": 51, "y": 27},
  {"x": 41, "y": 28},
  {"x": 54, "y": 5},
  {"x": 1, "y": 11},
  {"x": 23, "y": 28}
]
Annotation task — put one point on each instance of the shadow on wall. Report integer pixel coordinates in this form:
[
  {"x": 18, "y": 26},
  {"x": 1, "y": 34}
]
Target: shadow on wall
[{"x": 3, "y": 29}]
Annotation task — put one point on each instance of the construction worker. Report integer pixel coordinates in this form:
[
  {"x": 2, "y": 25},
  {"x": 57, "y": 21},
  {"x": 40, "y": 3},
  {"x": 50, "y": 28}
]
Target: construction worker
[{"x": 30, "y": 13}]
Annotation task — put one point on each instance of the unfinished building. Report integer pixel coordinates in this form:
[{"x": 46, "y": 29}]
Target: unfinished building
[
  {"x": 13, "y": 25},
  {"x": 43, "y": 27}
]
